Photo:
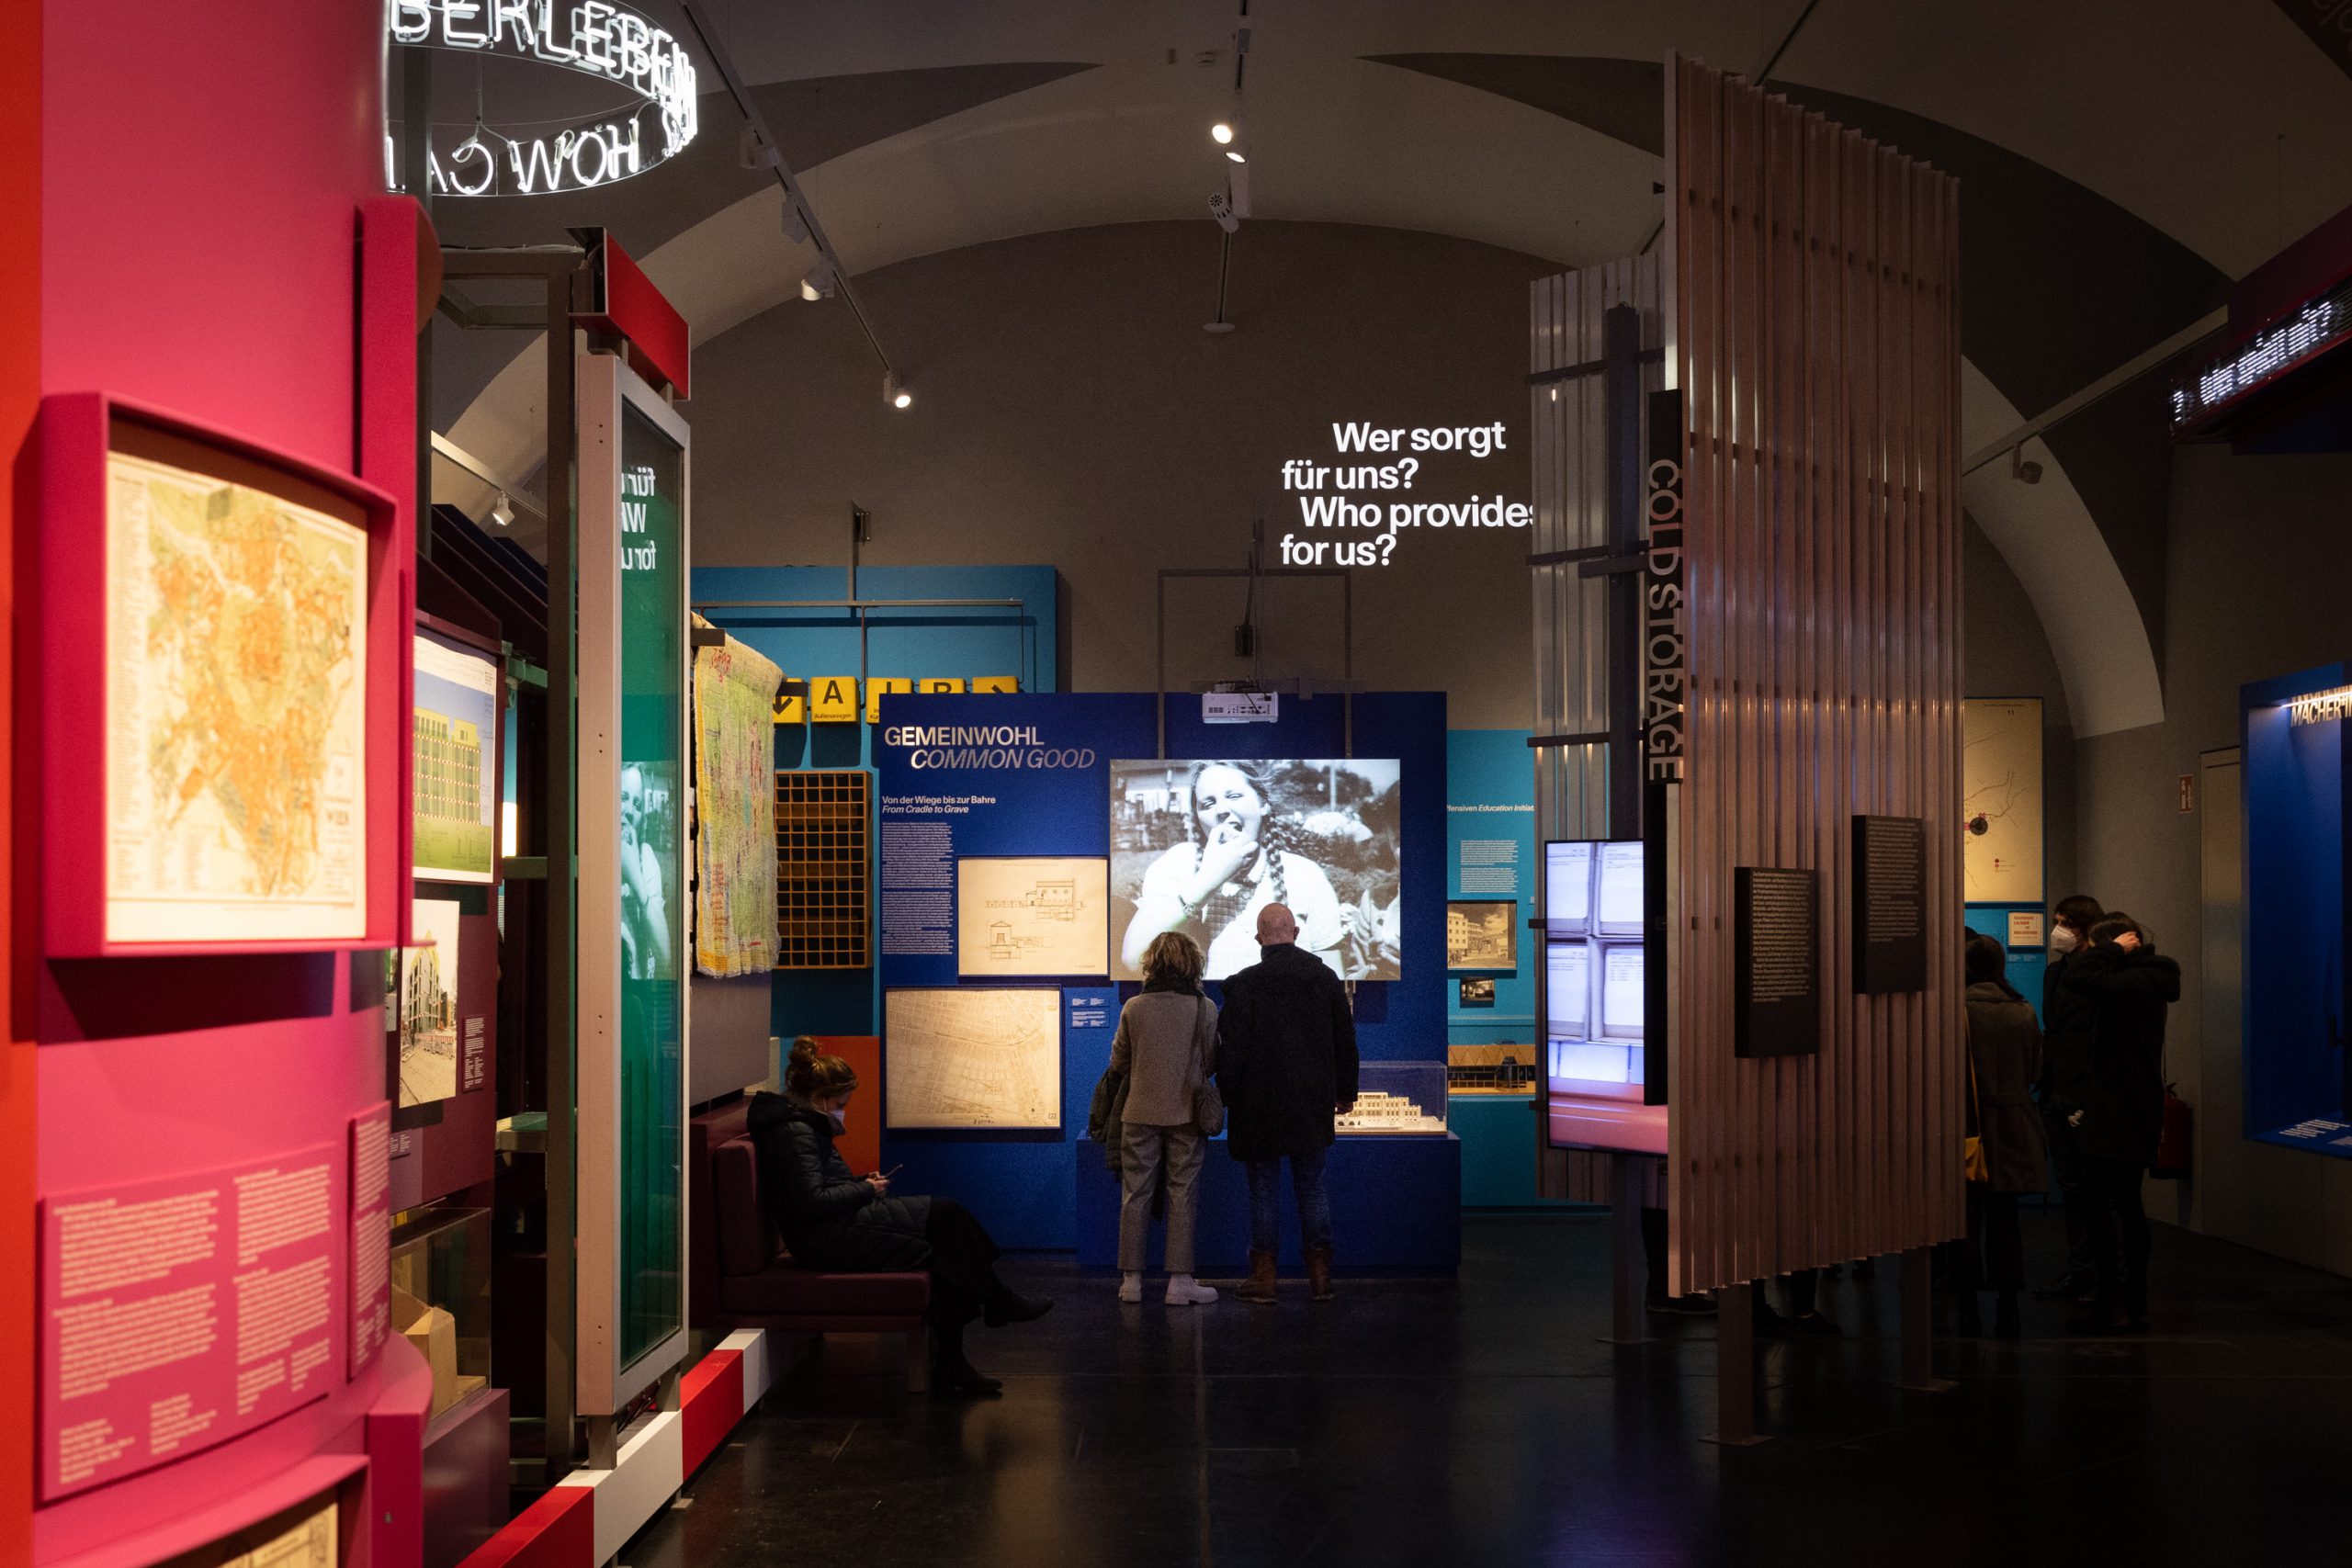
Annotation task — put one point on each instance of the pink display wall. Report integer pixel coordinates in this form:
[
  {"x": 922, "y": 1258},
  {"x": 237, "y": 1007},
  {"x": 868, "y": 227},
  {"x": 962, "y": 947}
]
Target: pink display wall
[{"x": 202, "y": 167}]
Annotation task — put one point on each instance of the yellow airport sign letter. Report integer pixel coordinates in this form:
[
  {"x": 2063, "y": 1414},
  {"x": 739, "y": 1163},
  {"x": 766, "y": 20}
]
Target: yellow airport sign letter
[
  {"x": 940, "y": 686},
  {"x": 832, "y": 699},
  {"x": 875, "y": 686},
  {"x": 996, "y": 684}
]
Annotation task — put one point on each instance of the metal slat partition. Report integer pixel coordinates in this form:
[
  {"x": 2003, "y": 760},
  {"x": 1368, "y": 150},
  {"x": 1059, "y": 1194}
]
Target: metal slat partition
[
  {"x": 1813, "y": 330},
  {"x": 1587, "y": 506}
]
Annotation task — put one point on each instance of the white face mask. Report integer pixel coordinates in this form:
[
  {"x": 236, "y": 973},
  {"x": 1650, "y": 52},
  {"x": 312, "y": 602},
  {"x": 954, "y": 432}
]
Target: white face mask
[
  {"x": 2062, "y": 940},
  {"x": 839, "y": 1117}
]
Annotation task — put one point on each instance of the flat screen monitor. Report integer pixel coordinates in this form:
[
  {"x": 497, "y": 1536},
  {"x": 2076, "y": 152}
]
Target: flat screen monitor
[
  {"x": 1621, "y": 898},
  {"x": 1621, "y": 991},
  {"x": 1568, "y": 986},
  {"x": 1201, "y": 845},
  {"x": 1594, "y": 1061},
  {"x": 1567, "y": 888}
]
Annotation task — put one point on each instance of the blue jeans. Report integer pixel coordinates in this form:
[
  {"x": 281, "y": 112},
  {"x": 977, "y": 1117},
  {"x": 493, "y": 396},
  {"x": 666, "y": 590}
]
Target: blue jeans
[{"x": 1306, "y": 1186}]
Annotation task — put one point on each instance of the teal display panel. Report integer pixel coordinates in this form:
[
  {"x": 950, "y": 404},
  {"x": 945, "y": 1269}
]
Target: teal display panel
[{"x": 652, "y": 905}]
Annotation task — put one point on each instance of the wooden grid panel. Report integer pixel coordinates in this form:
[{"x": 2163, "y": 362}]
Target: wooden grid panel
[
  {"x": 1815, "y": 320},
  {"x": 824, "y": 894}
]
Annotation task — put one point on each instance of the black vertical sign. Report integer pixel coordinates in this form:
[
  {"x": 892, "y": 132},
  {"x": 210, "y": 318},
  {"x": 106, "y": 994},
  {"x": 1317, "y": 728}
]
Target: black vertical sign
[
  {"x": 1776, "y": 961},
  {"x": 1663, "y": 683},
  {"x": 1890, "y": 904}
]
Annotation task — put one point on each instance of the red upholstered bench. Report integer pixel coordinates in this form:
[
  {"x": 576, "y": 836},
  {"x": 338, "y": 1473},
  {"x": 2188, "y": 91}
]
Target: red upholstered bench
[{"x": 743, "y": 1278}]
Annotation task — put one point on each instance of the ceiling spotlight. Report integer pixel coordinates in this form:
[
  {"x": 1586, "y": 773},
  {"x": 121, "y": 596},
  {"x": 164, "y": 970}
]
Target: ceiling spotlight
[
  {"x": 896, "y": 396},
  {"x": 1221, "y": 132},
  {"x": 796, "y": 226},
  {"x": 819, "y": 284},
  {"x": 2022, "y": 467},
  {"x": 502, "y": 511},
  {"x": 1235, "y": 154}
]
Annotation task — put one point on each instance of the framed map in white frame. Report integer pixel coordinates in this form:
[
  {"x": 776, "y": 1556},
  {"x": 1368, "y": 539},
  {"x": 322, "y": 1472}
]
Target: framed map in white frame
[
  {"x": 1029, "y": 917},
  {"x": 987, "y": 1057}
]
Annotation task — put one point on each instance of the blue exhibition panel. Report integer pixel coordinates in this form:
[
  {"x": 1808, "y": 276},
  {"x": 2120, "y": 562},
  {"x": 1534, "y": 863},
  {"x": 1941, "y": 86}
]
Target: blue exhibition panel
[
  {"x": 2298, "y": 1071},
  {"x": 1041, "y": 787},
  {"x": 1394, "y": 1208},
  {"x": 1498, "y": 1134}
]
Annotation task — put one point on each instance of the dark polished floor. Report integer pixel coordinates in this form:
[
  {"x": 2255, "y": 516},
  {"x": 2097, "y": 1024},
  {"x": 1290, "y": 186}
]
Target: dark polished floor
[{"x": 1479, "y": 1421}]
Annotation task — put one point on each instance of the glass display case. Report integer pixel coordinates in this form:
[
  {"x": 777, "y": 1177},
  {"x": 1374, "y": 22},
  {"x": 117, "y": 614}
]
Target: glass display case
[
  {"x": 440, "y": 1260},
  {"x": 1396, "y": 1096}
]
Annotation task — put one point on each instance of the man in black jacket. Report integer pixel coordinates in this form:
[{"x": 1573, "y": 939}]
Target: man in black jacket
[
  {"x": 2129, "y": 984},
  {"x": 2066, "y": 1021},
  {"x": 1286, "y": 1060}
]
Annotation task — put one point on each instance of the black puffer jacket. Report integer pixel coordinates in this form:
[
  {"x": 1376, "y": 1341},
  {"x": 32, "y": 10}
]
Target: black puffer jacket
[
  {"x": 2067, "y": 1019},
  {"x": 2123, "y": 1109},
  {"x": 830, "y": 1219},
  {"x": 1285, "y": 1055}
]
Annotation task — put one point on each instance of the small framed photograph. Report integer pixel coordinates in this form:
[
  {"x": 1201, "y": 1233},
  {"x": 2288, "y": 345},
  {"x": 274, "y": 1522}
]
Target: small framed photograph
[{"x": 1482, "y": 934}]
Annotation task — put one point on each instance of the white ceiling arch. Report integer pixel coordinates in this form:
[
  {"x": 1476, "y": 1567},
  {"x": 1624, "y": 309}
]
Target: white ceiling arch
[{"x": 2170, "y": 132}]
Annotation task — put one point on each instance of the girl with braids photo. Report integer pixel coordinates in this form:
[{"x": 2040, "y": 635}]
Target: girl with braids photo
[{"x": 1240, "y": 852}]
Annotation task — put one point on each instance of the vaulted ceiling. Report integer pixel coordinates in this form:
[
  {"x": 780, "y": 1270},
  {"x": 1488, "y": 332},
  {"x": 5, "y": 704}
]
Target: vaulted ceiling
[{"x": 2120, "y": 165}]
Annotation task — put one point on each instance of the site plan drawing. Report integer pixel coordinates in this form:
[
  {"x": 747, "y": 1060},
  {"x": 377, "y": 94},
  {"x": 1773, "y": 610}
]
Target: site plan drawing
[
  {"x": 1032, "y": 916},
  {"x": 972, "y": 1059},
  {"x": 236, "y": 698}
]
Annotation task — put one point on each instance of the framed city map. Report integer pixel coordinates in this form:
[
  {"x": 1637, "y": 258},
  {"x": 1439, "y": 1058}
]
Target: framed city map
[
  {"x": 982, "y": 1056},
  {"x": 1031, "y": 916},
  {"x": 223, "y": 658}
]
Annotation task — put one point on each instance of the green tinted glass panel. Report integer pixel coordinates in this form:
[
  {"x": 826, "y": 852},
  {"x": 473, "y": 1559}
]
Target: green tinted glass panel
[{"x": 652, "y": 905}]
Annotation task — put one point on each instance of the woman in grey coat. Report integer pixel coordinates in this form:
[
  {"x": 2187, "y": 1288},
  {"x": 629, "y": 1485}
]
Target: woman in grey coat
[{"x": 1167, "y": 1048}]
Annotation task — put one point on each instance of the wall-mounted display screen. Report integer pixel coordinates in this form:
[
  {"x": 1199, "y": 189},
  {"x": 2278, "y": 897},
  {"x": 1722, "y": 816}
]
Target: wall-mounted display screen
[
  {"x": 1033, "y": 915},
  {"x": 983, "y": 1057},
  {"x": 1567, "y": 989},
  {"x": 1594, "y": 992},
  {"x": 1202, "y": 846},
  {"x": 1618, "y": 899},
  {"x": 1567, "y": 888},
  {"x": 1621, "y": 991}
]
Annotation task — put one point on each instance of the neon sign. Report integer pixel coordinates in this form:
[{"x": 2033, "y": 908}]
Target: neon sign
[
  {"x": 2319, "y": 325},
  {"x": 594, "y": 38}
]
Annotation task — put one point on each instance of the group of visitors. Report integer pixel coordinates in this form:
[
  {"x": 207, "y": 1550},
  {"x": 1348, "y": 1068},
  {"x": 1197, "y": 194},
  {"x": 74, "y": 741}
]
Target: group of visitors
[
  {"x": 1272, "y": 1071},
  {"x": 2082, "y": 1095}
]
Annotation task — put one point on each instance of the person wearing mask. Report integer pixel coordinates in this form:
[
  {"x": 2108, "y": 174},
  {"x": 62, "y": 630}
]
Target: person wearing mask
[
  {"x": 2004, "y": 1051},
  {"x": 836, "y": 1221},
  {"x": 1286, "y": 1060},
  {"x": 1166, "y": 1046},
  {"x": 2065, "y": 1082},
  {"x": 2128, "y": 984}
]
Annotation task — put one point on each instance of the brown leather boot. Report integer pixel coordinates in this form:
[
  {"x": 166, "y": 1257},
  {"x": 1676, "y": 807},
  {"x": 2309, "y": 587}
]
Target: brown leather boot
[
  {"x": 1259, "y": 1286},
  {"x": 1319, "y": 1273}
]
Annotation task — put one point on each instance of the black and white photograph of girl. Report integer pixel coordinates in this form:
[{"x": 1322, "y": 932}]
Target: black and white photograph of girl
[{"x": 1202, "y": 846}]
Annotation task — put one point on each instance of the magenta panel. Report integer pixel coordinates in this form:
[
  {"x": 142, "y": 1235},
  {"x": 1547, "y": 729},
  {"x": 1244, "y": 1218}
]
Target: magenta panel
[
  {"x": 371, "y": 1233},
  {"x": 178, "y": 1313}
]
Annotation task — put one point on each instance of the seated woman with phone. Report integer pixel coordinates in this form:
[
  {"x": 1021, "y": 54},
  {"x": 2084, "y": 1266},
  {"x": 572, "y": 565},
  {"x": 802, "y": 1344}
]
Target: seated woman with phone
[{"x": 835, "y": 1221}]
